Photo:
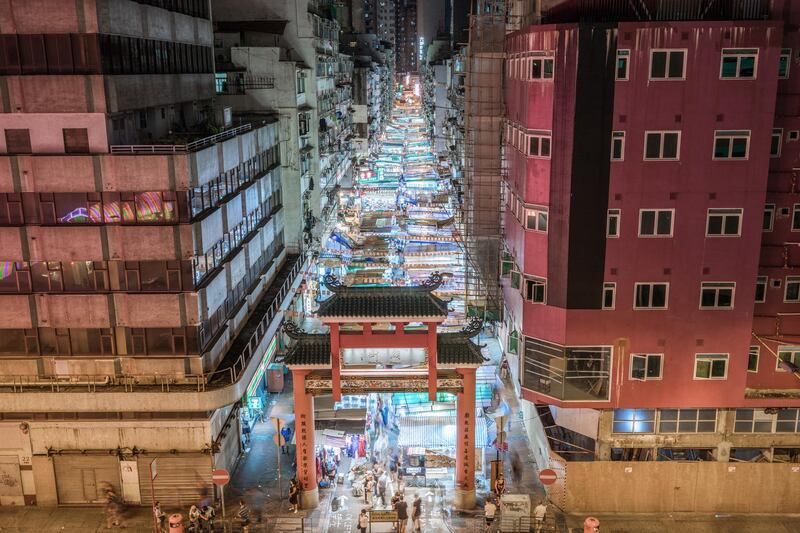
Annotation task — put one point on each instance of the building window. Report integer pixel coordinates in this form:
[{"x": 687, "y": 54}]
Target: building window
[
  {"x": 655, "y": 222},
  {"x": 535, "y": 290},
  {"x": 536, "y": 219},
  {"x": 651, "y": 295},
  {"x": 662, "y": 145},
  {"x": 539, "y": 145},
  {"x": 738, "y": 63},
  {"x": 783, "y": 63},
  {"x": 541, "y": 67},
  {"x": 634, "y": 421},
  {"x": 792, "y": 289},
  {"x": 612, "y": 223},
  {"x": 787, "y": 421},
  {"x": 646, "y": 366},
  {"x": 618, "y": 146},
  {"x": 761, "y": 289},
  {"x": 301, "y": 82},
  {"x": 787, "y": 354},
  {"x": 731, "y": 144},
  {"x": 303, "y": 123},
  {"x": 717, "y": 295},
  {"x": 710, "y": 366},
  {"x": 796, "y": 217},
  {"x": 687, "y": 420},
  {"x": 769, "y": 217},
  {"x": 723, "y": 222},
  {"x": 623, "y": 57},
  {"x": 609, "y": 295},
  {"x": 752, "y": 359},
  {"x": 18, "y": 141},
  {"x": 777, "y": 141},
  {"x": 516, "y": 279},
  {"x": 753, "y": 421},
  {"x": 76, "y": 140},
  {"x": 667, "y": 64}
]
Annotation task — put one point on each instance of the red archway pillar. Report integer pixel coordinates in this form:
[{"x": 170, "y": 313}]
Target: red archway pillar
[
  {"x": 465, "y": 442},
  {"x": 304, "y": 434},
  {"x": 336, "y": 365},
  {"x": 432, "y": 361}
]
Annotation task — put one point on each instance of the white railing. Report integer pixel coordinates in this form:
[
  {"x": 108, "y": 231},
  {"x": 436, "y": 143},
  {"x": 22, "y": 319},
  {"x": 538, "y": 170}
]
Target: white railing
[{"x": 179, "y": 148}]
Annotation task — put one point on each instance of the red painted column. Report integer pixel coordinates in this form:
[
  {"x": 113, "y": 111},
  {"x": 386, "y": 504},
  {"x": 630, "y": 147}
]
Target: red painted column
[
  {"x": 432, "y": 361},
  {"x": 465, "y": 442},
  {"x": 304, "y": 434},
  {"x": 336, "y": 366}
]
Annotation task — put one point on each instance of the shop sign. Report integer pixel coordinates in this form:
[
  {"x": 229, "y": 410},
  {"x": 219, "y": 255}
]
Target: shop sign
[
  {"x": 516, "y": 506},
  {"x": 383, "y": 516},
  {"x": 436, "y": 472},
  {"x": 255, "y": 403},
  {"x": 384, "y": 356},
  {"x": 412, "y": 470}
]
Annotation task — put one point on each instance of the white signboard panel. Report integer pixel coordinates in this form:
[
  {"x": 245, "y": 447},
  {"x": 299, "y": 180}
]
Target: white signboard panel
[{"x": 384, "y": 356}]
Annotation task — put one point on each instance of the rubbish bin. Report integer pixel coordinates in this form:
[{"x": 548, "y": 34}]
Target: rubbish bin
[
  {"x": 591, "y": 525},
  {"x": 275, "y": 378},
  {"x": 176, "y": 523}
]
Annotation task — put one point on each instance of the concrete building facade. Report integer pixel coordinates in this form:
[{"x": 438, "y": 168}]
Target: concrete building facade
[
  {"x": 648, "y": 283},
  {"x": 140, "y": 239}
]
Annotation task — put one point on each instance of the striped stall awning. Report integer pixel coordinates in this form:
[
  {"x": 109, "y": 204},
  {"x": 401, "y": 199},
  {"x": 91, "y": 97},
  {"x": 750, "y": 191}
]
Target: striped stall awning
[{"x": 437, "y": 431}]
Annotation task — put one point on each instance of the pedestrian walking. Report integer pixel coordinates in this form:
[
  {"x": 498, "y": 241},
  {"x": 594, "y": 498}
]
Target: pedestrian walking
[
  {"x": 500, "y": 485},
  {"x": 243, "y": 515},
  {"x": 294, "y": 496},
  {"x": 246, "y": 432},
  {"x": 286, "y": 433},
  {"x": 402, "y": 514},
  {"x": 382, "y": 488},
  {"x": 539, "y": 514},
  {"x": 160, "y": 516},
  {"x": 194, "y": 519},
  {"x": 369, "y": 486},
  {"x": 504, "y": 369},
  {"x": 416, "y": 514},
  {"x": 516, "y": 469},
  {"x": 207, "y": 516},
  {"x": 489, "y": 510},
  {"x": 363, "y": 521}
]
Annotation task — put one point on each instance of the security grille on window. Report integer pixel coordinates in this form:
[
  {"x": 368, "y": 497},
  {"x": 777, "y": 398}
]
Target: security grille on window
[
  {"x": 536, "y": 219},
  {"x": 724, "y": 222},
  {"x": 535, "y": 290},
  {"x": 667, "y": 64},
  {"x": 662, "y": 145},
  {"x": 609, "y": 295},
  {"x": 788, "y": 354},
  {"x": 655, "y": 223},
  {"x": 539, "y": 145},
  {"x": 617, "y": 145},
  {"x": 796, "y": 217},
  {"x": 777, "y": 141},
  {"x": 687, "y": 420},
  {"x": 541, "y": 67},
  {"x": 769, "y": 217},
  {"x": 651, "y": 295},
  {"x": 792, "y": 289},
  {"x": 634, "y": 421},
  {"x": 761, "y": 289},
  {"x": 731, "y": 144},
  {"x": 623, "y": 57},
  {"x": 716, "y": 295},
  {"x": 783, "y": 63},
  {"x": 646, "y": 366},
  {"x": 612, "y": 224},
  {"x": 711, "y": 366},
  {"x": 752, "y": 359},
  {"x": 738, "y": 63}
]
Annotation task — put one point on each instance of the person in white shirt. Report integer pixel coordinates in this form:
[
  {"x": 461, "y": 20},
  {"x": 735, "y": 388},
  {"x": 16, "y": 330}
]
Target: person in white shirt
[
  {"x": 489, "y": 510},
  {"x": 363, "y": 521},
  {"x": 539, "y": 513}
]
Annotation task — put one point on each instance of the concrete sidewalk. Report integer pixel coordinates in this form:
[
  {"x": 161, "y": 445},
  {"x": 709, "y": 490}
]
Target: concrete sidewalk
[{"x": 689, "y": 523}]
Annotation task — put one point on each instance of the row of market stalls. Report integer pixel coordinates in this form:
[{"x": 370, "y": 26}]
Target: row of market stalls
[{"x": 396, "y": 227}]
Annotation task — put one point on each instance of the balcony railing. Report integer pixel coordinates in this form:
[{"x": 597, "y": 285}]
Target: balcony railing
[
  {"x": 239, "y": 83},
  {"x": 180, "y": 148}
]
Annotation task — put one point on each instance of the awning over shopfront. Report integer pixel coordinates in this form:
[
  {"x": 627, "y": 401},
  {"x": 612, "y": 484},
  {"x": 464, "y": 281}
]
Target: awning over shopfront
[{"x": 437, "y": 431}]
